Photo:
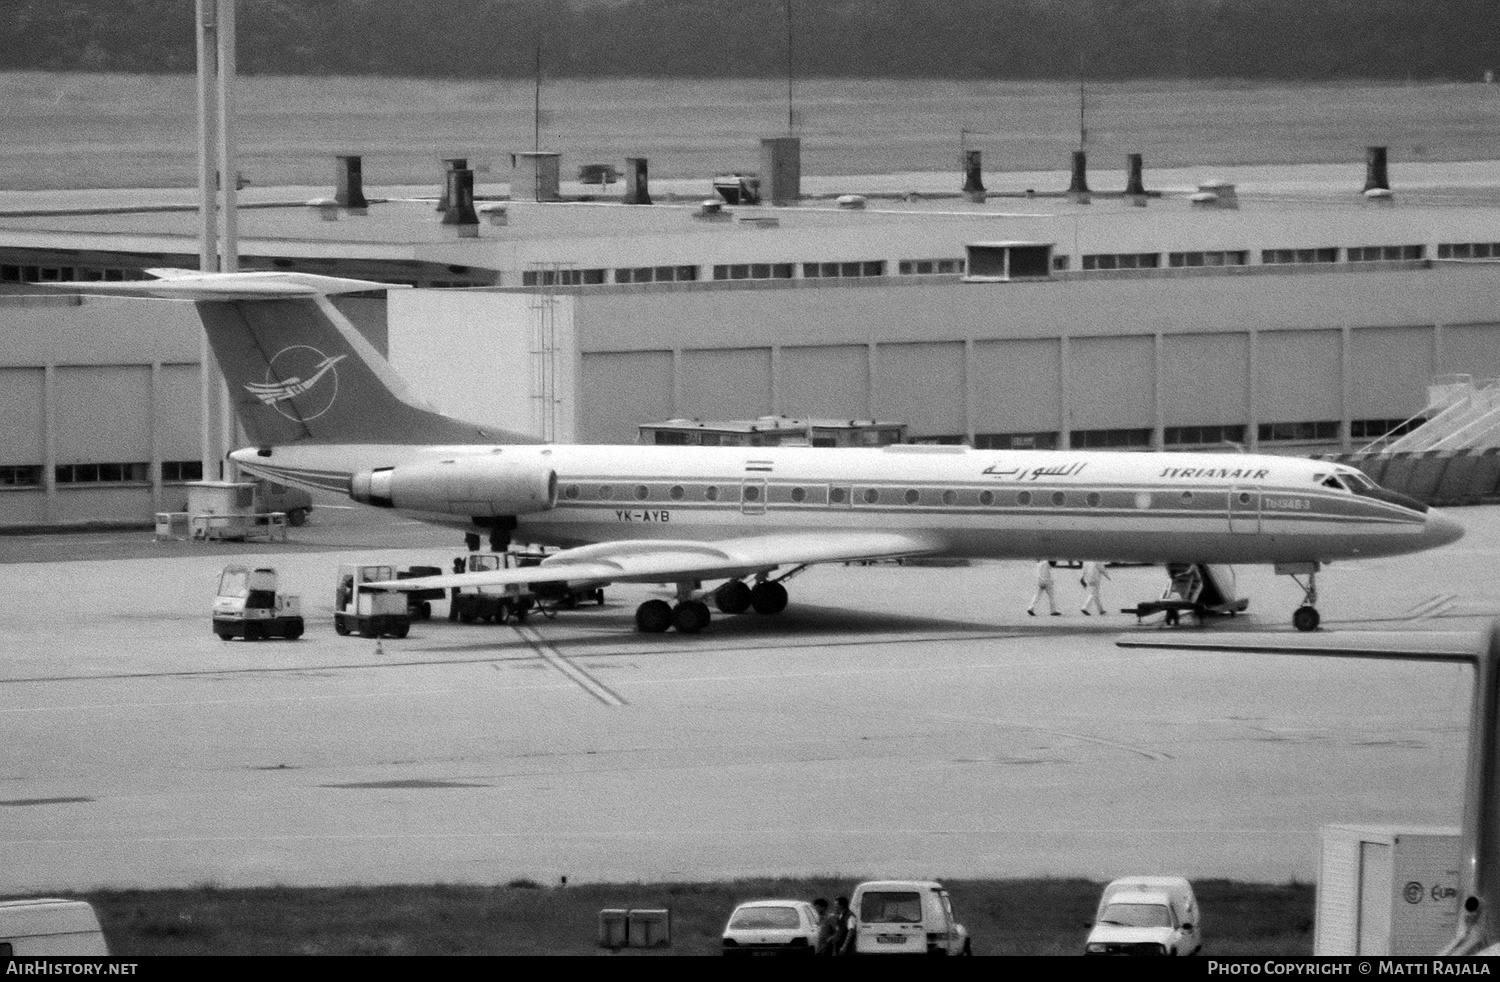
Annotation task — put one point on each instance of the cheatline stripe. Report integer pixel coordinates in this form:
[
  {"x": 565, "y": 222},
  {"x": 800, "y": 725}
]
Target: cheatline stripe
[{"x": 558, "y": 661}]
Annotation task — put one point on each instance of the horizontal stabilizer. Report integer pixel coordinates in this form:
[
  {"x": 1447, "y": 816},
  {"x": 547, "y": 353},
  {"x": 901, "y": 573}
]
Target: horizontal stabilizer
[{"x": 185, "y": 284}]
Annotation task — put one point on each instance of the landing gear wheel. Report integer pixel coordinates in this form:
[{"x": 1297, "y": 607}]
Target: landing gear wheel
[
  {"x": 1306, "y": 619},
  {"x": 733, "y": 597},
  {"x": 653, "y": 616},
  {"x": 690, "y": 616},
  {"x": 768, "y": 598}
]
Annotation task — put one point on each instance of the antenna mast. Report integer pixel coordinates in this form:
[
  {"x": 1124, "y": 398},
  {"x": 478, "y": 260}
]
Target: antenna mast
[{"x": 789, "y": 118}]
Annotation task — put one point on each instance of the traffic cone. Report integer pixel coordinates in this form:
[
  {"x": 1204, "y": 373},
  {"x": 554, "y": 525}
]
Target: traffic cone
[{"x": 378, "y": 649}]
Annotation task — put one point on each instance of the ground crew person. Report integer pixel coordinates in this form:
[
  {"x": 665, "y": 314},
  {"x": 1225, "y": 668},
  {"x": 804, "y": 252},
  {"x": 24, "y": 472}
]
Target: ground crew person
[
  {"x": 1092, "y": 574},
  {"x": 1044, "y": 586}
]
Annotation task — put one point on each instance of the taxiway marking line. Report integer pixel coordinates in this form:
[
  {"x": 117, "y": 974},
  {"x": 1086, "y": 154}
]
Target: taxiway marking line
[
  {"x": 560, "y": 662},
  {"x": 1432, "y": 607}
]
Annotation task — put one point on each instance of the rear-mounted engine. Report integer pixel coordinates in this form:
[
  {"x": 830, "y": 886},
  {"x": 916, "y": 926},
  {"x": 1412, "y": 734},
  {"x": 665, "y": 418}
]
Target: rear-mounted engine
[{"x": 479, "y": 487}]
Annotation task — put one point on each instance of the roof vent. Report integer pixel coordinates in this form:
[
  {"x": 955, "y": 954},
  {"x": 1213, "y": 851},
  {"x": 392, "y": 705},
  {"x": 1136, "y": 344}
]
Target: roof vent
[
  {"x": 350, "y": 192},
  {"x": 851, "y": 201},
  {"x": 494, "y": 212},
  {"x": 1216, "y": 194},
  {"x": 712, "y": 210},
  {"x": 738, "y": 189},
  {"x": 450, "y": 164},
  {"x": 637, "y": 190}
]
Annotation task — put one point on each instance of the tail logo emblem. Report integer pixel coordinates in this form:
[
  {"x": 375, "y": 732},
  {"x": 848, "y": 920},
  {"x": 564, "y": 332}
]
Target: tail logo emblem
[{"x": 293, "y": 374}]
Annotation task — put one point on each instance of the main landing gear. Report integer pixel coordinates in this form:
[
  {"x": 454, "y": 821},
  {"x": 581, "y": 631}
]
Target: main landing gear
[
  {"x": 690, "y": 615},
  {"x": 1305, "y": 618}
]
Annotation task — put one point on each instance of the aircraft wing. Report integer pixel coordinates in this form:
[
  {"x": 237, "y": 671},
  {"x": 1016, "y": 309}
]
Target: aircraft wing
[
  {"x": 1461, "y": 647},
  {"x": 674, "y": 560}
]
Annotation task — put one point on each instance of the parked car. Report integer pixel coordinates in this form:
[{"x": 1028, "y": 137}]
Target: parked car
[
  {"x": 49, "y": 928},
  {"x": 772, "y": 927},
  {"x": 1146, "y": 915},
  {"x": 907, "y": 917}
]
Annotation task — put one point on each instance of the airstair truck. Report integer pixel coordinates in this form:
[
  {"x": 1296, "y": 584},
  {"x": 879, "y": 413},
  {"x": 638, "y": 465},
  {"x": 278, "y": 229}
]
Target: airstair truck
[
  {"x": 369, "y": 613},
  {"x": 251, "y": 605}
]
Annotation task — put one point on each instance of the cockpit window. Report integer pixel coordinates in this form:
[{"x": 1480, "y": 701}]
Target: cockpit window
[
  {"x": 1333, "y": 482},
  {"x": 1359, "y": 482},
  {"x": 1363, "y": 486}
]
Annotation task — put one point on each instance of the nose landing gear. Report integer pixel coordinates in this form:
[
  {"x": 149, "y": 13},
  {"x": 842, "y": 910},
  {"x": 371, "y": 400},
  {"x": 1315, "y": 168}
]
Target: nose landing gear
[{"x": 1306, "y": 618}]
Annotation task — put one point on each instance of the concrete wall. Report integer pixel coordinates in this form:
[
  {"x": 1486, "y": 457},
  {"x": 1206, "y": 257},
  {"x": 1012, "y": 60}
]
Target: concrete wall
[{"x": 1107, "y": 352}]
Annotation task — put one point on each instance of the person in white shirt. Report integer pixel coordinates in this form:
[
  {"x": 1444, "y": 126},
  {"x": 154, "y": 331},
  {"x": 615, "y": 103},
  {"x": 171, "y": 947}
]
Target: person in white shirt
[
  {"x": 1092, "y": 574},
  {"x": 1044, "y": 586}
]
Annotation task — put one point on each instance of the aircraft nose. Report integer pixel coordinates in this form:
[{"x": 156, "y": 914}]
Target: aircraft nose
[{"x": 1441, "y": 530}]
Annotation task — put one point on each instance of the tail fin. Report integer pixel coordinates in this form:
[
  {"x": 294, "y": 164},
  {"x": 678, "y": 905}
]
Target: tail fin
[{"x": 298, "y": 371}]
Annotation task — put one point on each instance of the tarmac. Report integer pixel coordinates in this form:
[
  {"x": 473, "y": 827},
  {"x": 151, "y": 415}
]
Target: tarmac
[{"x": 894, "y": 721}]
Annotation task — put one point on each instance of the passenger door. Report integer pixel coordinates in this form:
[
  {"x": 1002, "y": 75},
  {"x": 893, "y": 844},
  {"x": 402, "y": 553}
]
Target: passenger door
[{"x": 1244, "y": 510}]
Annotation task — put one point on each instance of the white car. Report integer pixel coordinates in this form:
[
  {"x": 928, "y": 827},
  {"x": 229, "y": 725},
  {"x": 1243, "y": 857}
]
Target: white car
[
  {"x": 1146, "y": 915},
  {"x": 772, "y": 927}
]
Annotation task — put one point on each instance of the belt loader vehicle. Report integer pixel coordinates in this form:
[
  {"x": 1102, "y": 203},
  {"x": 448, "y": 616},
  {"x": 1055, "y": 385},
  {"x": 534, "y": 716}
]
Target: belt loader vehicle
[
  {"x": 369, "y": 613},
  {"x": 250, "y": 605}
]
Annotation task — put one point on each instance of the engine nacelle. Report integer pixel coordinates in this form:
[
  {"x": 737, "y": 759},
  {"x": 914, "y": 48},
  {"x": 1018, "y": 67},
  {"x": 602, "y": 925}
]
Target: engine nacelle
[{"x": 481, "y": 486}]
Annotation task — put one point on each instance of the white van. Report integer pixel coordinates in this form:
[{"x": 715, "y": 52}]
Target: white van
[
  {"x": 1146, "y": 915},
  {"x": 49, "y": 927},
  {"x": 906, "y": 917}
]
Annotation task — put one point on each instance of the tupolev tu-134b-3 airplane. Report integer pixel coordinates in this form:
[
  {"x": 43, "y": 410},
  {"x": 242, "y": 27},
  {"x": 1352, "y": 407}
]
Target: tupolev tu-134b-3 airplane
[{"x": 324, "y": 410}]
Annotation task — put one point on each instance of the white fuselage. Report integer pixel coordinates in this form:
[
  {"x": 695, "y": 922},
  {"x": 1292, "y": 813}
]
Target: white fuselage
[{"x": 1117, "y": 506}]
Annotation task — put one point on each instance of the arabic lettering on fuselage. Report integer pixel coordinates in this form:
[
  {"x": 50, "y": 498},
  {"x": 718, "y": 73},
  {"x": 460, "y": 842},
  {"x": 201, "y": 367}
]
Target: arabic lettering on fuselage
[{"x": 1035, "y": 473}]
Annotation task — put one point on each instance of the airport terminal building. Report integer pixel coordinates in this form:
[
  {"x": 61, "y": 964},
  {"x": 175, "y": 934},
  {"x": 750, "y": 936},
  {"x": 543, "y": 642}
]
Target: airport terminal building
[{"x": 1165, "y": 322}]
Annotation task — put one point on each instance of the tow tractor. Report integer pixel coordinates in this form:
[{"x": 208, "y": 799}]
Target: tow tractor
[
  {"x": 495, "y": 604},
  {"x": 369, "y": 613},
  {"x": 1199, "y": 589},
  {"x": 557, "y": 594},
  {"x": 250, "y": 605}
]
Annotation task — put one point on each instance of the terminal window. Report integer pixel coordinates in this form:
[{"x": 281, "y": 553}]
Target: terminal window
[
  {"x": 813, "y": 271},
  {"x": 1371, "y": 429},
  {"x": 1469, "y": 250},
  {"x": 1046, "y": 440},
  {"x": 1324, "y": 430},
  {"x": 1234, "y": 257},
  {"x": 656, "y": 274},
  {"x": 1375, "y": 254},
  {"x": 1122, "y": 260},
  {"x": 182, "y": 470},
  {"x": 1202, "y": 435},
  {"x": 134, "y": 473},
  {"x": 20, "y": 476},
  {"x": 924, "y": 267},
  {"x": 753, "y": 271},
  {"x": 1097, "y": 439},
  {"x": 561, "y": 277},
  {"x": 1281, "y": 256}
]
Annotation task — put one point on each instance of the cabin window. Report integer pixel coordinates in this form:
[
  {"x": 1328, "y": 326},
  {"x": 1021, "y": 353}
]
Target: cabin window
[
  {"x": 836, "y": 496},
  {"x": 1024, "y": 498},
  {"x": 1143, "y": 500},
  {"x": 676, "y": 493},
  {"x": 710, "y": 493},
  {"x": 986, "y": 497},
  {"x": 571, "y": 492},
  {"x": 1093, "y": 499},
  {"x": 871, "y": 496},
  {"x": 642, "y": 492},
  {"x": 1058, "y": 498},
  {"x": 799, "y": 494},
  {"x": 912, "y": 496},
  {"x": 1187, "y": 497},
  {"x": 605, "y": 491},
  {"x": 752, "y": 492},
  {"x": 1244, "y": 497},
  {"x": 950, "y": 497}
]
